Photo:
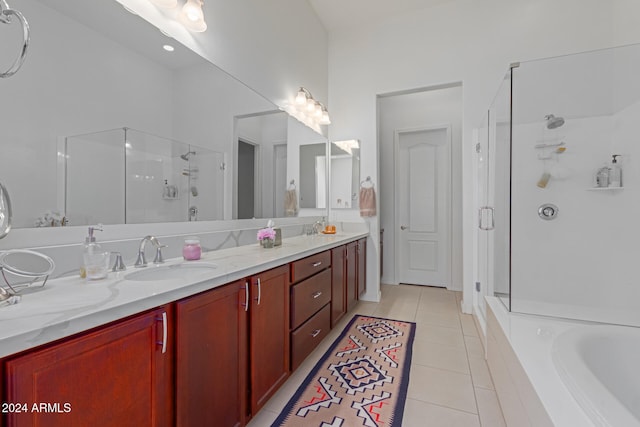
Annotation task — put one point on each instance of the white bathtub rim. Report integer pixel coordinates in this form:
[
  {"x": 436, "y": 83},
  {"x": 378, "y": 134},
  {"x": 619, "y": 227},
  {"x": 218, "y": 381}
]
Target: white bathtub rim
[
  {"x": 577, "y": 377},
  {"x": 556, "y": 398}
]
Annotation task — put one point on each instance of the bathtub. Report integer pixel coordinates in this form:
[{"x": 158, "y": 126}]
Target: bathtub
[
  {"x": 600, "y": 365},
  {"x": 520, "y": 352}
]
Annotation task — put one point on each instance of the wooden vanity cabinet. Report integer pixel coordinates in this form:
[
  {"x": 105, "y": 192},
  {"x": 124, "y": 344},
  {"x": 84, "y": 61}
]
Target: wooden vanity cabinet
[
  {"x": 361, "y": 252},
  {"x": 211, "y": 357},
  {"x": 351, "y": 275},
  {"x": 338, "y": 284},
  {"x": 268, "y": 334},
  {"x": 120, "y": 374},
  {"x": 311, "y": 293}
]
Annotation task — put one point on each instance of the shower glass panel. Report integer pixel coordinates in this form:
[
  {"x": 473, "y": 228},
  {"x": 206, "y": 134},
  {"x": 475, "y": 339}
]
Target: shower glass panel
[
  {"x": 574, "y": 245},
  {"x": 498, "y": 194},
  {"x": 492, "y": 189},
  {"x": 94, "y": 178}
]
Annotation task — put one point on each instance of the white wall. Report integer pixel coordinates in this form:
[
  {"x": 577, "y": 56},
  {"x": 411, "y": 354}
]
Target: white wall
[{"x": 468, "y": 41}]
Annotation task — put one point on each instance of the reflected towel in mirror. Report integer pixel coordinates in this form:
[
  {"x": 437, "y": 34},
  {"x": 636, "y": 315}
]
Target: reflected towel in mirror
[{"x": 291, "y": 202}]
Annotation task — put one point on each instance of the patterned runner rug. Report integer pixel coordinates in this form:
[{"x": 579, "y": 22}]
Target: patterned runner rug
[{"x": 361, "y": 380}]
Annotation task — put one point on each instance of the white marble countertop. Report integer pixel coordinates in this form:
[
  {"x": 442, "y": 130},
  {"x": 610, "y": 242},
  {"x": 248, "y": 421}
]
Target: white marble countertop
[{"x": 66, "y": 306}]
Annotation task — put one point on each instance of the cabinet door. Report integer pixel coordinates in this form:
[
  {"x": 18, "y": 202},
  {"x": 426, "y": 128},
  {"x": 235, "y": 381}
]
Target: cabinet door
[
  {"x": 362, "y": 266},
  {"x": 119, "y": 375},
  {"x": 338, "y": 284},
  {"x": 211, "y": 358},
  {"x": 268, "y": 334},
  {"x": 352, "y": 275}
]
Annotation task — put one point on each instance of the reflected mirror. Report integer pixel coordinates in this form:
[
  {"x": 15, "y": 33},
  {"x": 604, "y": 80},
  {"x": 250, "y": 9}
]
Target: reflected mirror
[
  {"x": 345, "y": 174},
  {"x": 93, "y": 71},
  {"x": 261, "y": 165},
  {"x": 309, "y": 169}
]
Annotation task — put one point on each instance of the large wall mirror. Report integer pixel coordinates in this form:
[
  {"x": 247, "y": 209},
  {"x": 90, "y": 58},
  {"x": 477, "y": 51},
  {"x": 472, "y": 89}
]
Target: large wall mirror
[{"x": 105, "y": 125}]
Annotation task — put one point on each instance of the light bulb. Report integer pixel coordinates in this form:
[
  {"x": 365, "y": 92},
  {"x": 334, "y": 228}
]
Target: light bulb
[
  {"x": 311, "y": 106},
  {"x": 325, "y": 118},
  {"x": 192, "y": 16},
  {"x": 301, "y": 97},
  {"x": 192, "y": 10},
  {"x": 318, "y": 112}
]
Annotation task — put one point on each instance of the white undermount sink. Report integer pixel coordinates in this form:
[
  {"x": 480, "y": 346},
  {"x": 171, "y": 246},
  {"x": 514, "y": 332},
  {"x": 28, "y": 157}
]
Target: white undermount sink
[{"x": 184, "y": 270}]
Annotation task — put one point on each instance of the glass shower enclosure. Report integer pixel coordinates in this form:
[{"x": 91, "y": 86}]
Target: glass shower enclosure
[
  {"x": 125, "y": 176},
  {"x": 557, "y": 216}
]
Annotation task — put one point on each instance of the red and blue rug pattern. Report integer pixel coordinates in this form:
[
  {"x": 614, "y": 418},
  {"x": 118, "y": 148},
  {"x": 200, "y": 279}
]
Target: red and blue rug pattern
[{"x": 361, "y": 380}]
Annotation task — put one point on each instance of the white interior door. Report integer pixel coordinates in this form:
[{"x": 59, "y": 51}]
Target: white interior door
[{"x": 423, "y": 199}]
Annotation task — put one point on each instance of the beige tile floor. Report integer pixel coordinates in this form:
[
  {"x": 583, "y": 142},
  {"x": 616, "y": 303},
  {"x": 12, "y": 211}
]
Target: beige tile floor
[{"x": 450, "y": 384}]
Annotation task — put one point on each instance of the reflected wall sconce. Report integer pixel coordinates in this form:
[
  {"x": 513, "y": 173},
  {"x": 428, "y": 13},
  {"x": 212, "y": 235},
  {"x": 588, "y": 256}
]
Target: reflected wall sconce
[
  {"x": 191, "y": 14},
  {"x": 309, "y": 111}
]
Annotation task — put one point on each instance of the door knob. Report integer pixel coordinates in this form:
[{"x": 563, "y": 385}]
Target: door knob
[{"x": 403, "y": 227}]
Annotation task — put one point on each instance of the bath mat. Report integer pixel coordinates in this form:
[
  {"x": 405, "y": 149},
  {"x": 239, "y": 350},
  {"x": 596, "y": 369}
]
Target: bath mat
[{"x": 361, "y": 380}]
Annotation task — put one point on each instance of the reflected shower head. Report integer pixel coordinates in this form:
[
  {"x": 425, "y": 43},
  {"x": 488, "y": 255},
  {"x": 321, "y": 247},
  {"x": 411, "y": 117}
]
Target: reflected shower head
[
  {"x": 185, "y": 156},
  {"x": 553, "y": 122}
]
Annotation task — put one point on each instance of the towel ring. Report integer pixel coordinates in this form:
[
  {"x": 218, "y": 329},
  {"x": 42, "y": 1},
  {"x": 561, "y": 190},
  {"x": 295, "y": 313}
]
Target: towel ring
[
  {"x": 367, "y": 183},
  {"x": 5, "y": 212},
  {"x": 5, "y": 18}
]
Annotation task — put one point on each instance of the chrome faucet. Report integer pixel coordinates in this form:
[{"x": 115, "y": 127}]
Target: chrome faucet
[
  {"x": 142, "y": 260},
  {"x": 193, "y": 213}
]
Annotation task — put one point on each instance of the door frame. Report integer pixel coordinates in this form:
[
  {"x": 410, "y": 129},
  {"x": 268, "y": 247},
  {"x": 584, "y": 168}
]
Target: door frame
[
  {"x": 396, "y": 212},
  {"x": 257, "y": 173}
]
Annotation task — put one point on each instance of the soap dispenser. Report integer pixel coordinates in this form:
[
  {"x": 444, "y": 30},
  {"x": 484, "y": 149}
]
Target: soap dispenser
[
  {"x": 96, "y": 260},
  {"x": 615, "y": 172}
]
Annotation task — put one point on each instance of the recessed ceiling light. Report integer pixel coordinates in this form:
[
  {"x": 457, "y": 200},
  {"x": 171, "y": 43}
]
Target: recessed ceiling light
[{"x": 168, "y": 48}]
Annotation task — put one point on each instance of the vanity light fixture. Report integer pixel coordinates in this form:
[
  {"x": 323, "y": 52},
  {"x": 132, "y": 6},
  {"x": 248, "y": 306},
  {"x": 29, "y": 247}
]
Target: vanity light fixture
[
  {"x": 191, "y": 15},
  {"x": 310, "y": 111}
]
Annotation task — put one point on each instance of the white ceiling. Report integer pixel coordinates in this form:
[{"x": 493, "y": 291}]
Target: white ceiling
[{"x": 335, "y": 14}]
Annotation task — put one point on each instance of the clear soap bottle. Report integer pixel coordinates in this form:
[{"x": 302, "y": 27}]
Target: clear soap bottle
[
  {"x": 615, "y": 172},
  {"x": 96, "y": 260}
]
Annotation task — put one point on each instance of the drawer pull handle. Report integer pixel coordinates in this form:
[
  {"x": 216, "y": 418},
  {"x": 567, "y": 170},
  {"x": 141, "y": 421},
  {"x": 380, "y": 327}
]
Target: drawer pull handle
[
  {"x": 317, "y": 264},
  {"x": 316, "y": 333},
  {"x": 317, "y": 294},
  {"x": 259, "y": 291}
]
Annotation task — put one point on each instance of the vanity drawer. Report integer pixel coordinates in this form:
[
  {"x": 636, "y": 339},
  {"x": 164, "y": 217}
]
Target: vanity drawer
[
  {"x": 308, "y": 336},
  {"x": 308, "y": 296},
  {"x": 309, "y": 266}
]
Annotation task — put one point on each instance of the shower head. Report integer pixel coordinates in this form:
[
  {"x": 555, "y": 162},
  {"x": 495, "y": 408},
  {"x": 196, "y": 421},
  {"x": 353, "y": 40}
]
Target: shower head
[
  {"x": 185, "y": 156},
  {"x": 553, "y": 122}
]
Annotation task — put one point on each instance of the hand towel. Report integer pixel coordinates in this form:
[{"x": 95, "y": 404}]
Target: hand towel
[
  {"x": 291, "y": 203},
  {"x": 367, "y": 201}
]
